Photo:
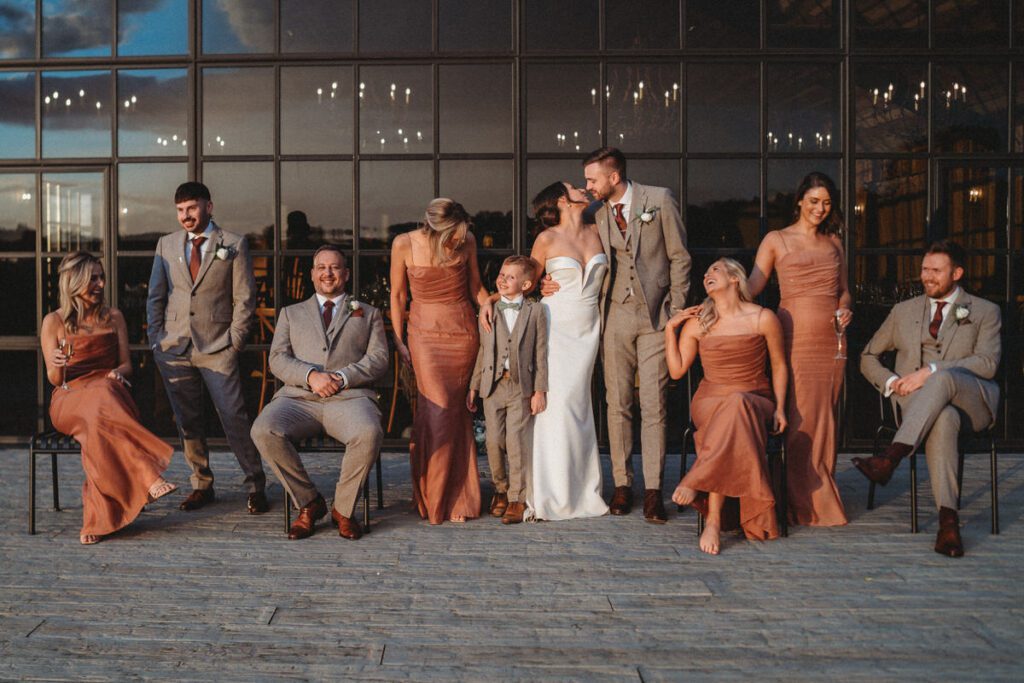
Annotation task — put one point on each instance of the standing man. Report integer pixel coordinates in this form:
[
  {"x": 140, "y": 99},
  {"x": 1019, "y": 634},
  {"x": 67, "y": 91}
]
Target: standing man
[
  {"x": 645, "y": 240},
  {"x": 200, "y": 310}
]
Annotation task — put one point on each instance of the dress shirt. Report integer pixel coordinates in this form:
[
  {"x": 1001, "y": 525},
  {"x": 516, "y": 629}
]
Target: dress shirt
[
  {"x": 627, "y": 203},
  {"x": 511, "y": 315},
  {"x": 932, "y": 303},
  {"x": 205, "y": 248},
  {"x": 338, "y": 303}
]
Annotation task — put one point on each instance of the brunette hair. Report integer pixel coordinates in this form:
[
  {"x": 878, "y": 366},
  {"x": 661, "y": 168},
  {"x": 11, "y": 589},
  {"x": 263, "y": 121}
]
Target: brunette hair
[
  {"x": 545, "y": 204},
  {"x": 73, "y": 276},
  {"x": 709, "y": 314},
  {"x": 833, "y": 223},
  {"x": 332, "y": 247},
  {"x": 609, "y": 157},
  {"x": 956, "y": 253},
  {"x": 191, "y": 190},
  {"x": 446, "y": 224},
  {"x": 524, "y": 263}
]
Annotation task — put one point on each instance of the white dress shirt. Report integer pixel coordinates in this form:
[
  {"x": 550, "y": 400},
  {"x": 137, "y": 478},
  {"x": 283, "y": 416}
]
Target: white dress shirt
[
  {"x": 205, "y": 248},
  {"x": 932, "y": 303},
  {"x": 627, "y": 203},
  {"x": 511, "y": 315},
  {"x": 338, "y": 301}
]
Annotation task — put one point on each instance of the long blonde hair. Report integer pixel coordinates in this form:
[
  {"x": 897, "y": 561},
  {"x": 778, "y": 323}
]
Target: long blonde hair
[
  {"x": 446, "y": 224},
  {"x": 74, "y": 275},
  {"x": 709, "y": 314}
]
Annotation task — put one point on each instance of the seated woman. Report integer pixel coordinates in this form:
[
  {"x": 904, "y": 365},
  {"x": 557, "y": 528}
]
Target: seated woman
[
  {"x": 85, "y": 346},
  {"x": 733, "y": 405}
]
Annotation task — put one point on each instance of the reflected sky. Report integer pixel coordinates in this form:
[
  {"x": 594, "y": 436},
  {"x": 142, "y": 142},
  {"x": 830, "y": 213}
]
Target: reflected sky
[
  {"x": 17, "y": 29},
  {"x": 17, "y": 115},
  {"x": 77, "y": 28},
  {"x": 153, "y": 27},
  {"x": 238, "y": 26},
  {"x": 152, "y": 112},
  {"x": 145, "y": 205},
  {"x": 76, "y": 113}
]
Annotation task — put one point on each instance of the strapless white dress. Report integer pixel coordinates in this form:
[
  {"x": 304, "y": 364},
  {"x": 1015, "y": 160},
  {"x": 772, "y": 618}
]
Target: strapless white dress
[{"x": 565, "y": 468}]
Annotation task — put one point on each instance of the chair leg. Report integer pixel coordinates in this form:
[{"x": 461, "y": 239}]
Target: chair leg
[
  {"x": 785, "y": 491},
  {"x": 31, "y": 490},
  {"x": 993, "y": 465},
  {"x": 959, "y": 477},
  {"x": 56, "y": 491},
  {"x": 682, "y": 459},
  {"x": 380, "y": 485},
  {"x": 913, "y": 493},
  {"x": 366, "y": 505},
  {"x": 287, "y": 510}
]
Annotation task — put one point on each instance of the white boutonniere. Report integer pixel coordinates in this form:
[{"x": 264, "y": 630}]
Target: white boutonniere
[
  {"x": 961, "y": 314},
  {"x": 355, "y": 308},
  {"x": 647, "y": 215},
  {"x": 224, "y": 253}
]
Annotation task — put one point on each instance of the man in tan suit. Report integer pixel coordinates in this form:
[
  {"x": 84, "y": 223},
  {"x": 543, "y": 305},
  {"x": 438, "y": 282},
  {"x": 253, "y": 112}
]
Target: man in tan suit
[
  {"x": 199, "y": 311},
  {"x": 328, "y": 351},
  {"x": 645, "y": 240},
  {"x": 947, "y": 347}
]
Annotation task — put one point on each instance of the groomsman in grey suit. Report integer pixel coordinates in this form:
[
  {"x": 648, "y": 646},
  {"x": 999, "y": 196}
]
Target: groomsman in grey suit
[
  {"x": 200, "y": 310},
  {"x": 328, "y": 351},
  {"x": 645, "y": 241},
  {"x": 947, "y": 347}
]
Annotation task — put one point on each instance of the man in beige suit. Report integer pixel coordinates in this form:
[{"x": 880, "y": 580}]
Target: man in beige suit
[
  {"x": 328, "y": 351},
  {"x": 200, "y": 310},
  {"x": 947, "y": 347}
]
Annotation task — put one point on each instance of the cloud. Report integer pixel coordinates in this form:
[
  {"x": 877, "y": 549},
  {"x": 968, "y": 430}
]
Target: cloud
[{"x": 17, "y": 31}]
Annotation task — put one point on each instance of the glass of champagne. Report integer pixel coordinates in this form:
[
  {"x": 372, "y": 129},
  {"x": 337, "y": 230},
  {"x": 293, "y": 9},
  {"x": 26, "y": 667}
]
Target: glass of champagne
[
  {"x": 837, "y": 325},
  {"x": 64, "y": 344}
]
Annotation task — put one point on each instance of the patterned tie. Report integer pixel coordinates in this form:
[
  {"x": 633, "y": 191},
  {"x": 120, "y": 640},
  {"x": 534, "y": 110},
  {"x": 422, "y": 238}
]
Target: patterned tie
[
  {"x": 328, "y": 314},
  {"x": 196, "y": 259},
  {"x": 509, "y": 306},
  {"x": 936, "y": 323},
  {"x": 620, "y": 220}
]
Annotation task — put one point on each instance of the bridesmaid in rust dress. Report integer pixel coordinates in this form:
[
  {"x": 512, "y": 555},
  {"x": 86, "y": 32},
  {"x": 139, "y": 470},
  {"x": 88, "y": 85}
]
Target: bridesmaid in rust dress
[
  {"x": 438, "y": 263},
  {"x": 808, "y": 256},
  {"x": 734, "y": 405},
  {"x": 85, "y": 346}
]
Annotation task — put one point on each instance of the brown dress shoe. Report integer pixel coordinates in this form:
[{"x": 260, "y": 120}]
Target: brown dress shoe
[
  {"x": 654, "y": 507},
  {"x": 879, "y": 468},
  {"x": 347, "y": 528},
  {"x": 948, "y": 541},
  {"x": 622, "y": 501},
  {"x": 499, "y": 503},
  {"x": 514, "y": 513},
  {"x": 197, "y": 499},
  {"x": 303, "y": 526},
  {"x": 257, "y": 503}
]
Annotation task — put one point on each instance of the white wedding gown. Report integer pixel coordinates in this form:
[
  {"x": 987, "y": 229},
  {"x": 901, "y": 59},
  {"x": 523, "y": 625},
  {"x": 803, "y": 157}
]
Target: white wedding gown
[{"x": 565, "y": 479}]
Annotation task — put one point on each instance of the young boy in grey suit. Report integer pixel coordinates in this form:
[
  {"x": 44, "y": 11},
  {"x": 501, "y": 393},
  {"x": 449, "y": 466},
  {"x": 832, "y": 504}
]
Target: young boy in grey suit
[{"x": 511, "y": 374}]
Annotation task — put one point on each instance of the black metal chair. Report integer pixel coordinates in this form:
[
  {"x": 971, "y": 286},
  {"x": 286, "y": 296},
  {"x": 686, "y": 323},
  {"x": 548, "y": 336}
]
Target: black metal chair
[
  {"x": 890, "y": 421},
  {"x": 52, "y": 443}
]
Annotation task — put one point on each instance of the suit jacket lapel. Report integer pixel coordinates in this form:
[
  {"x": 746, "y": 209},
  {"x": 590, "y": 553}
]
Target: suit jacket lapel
[
  {"x": 182, "y": 268},
  {"x": 341, "y": 316},
  {"x": 949, "y": 325},
  {"x": 316, "y": 321},
  {"x": 520, "y": 326},
  {"x": 211, "y": 253},
  {"x": 639, "y": 203}
]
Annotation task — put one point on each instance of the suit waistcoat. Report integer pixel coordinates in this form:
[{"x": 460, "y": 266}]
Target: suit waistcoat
[
  {"x": 625, "y": 280},
  {"x": 931, "y": 349},
  {"x": 503, "y": 349}
]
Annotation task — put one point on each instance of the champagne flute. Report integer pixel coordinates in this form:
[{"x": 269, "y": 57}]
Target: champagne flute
[
  {"x": 837, "y": 325},
  {"x": 64, "y": 344}
]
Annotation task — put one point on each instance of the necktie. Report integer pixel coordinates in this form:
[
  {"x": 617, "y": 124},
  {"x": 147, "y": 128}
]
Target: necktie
[
  {"x": 328, "y": 314},
  {"x": 196, "y": 259},
  {"x": 936, "y": 323},
  {"x": 620, "y": 220},
  {"x": 509, "y": 306}
]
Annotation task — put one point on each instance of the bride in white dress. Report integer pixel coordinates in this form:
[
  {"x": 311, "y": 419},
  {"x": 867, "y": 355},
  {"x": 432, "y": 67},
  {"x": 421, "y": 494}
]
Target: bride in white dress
[{"x": 565, "y": 469}]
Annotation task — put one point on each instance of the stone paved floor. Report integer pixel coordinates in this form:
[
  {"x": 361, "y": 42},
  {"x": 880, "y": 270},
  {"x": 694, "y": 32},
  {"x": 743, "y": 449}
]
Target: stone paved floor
[{"x": 219, "y": 595}]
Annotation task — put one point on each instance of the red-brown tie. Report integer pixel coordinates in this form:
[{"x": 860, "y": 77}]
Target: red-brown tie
[
  {"x": 936, "y": 323},
  {"x": 620, "y": 220},
  {"x": 196, "y": 259},
  {"x": 328, "y": 314}
]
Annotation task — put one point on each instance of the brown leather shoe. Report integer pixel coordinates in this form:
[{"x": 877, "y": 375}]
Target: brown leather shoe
[
  {"x": 257, "y": 503},
  {"x": 879, "y": 468},
  {"x": 622, "y": 501},
  {"x": 514, "y": 513},
  {"x": 347, "y": 528},
  {"x": 303, "y": 526},
  {"x": 499, "y": 503},
  {"x": 197, "y": 499},
  {"x": 948, "y": 541},
  {"x": 654, "y": 507}
]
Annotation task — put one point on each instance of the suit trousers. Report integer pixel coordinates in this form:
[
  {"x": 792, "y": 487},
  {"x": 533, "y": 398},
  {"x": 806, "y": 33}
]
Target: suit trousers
[
  {"x": 184, "y": 377},
  {"x": 507, "y": 413},
  {"x": 354, "y": 422},
  {"x": 632, "y": 346},
  {"x": 933, "y": 415}
]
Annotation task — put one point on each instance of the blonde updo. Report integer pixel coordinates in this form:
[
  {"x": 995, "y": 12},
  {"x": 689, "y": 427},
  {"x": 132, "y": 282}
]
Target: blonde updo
[{"x": 445, "y": 224}]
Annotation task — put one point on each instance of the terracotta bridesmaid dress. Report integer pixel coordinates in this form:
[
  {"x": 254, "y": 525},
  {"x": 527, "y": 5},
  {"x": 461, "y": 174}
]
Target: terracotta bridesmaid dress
[
  {"x": 443, "y": 341},
  {"x": 121, "y": 458},
  {"x": 731, "y": 410},
  {"x": 809, "y": 283}
]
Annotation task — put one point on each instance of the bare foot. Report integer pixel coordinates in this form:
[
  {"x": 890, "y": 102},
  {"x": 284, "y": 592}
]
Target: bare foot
[
  {"x": 89, "y": 539},
  {"x": 160, "y": 488},
  {"x": 710, "y": 540},
  {"x": 457, "y": 519},
  {"x": 683, "y": 495}
]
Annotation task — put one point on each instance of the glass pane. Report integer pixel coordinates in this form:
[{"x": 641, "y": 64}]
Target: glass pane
[
  {"x": 18, "y": 401},
  {"x": 18, "y": 212},
  {"x": 145, "y": 203},
  {"x": 1017, "y": 224},
  {"x": 485, "y": 189},
  {"x": 225, "y": 91},
  {"x": 891, "y": 107},
  {"x": 296, "y": 285},
  {"x": 970, "y": 103},
  {"x": 490, "y": 266},
  {"x": 539, "y": 174},
  {"x": 392, "y": 198},
  {"x": 563, "y": 110},
  {"x": 152, "y": 28},
  {"x": 711, "y": 23},
  {"x": 561, "y": 24},
  {"x": 50, "y": 296},
  {"x": 887, "y": 25},
  {"x": 643, "y": 107},
  {"x": 975, "y": 201},
  {"x": 803, "y": 107},
  {"x": 395, "y": 26},
  {"x": 316, "y": 203},
  {"x": 891, "y": 205},
  {"x": 17, "y": 29},
  {"x": 76, "y": 114},
  {"x": 985, "y": 275},
  {"x": 17, "y": 124},
  {"x": 802, "y": 23},
  {"x": 1018, "y": 105},
  {"x": 263, "y": 273},
  {"x": 243, "y": 197},
  {"x": 374, "y": 281},
  {"x": 316, "y": 26},
  {"x": 238, "y": 27},
  {"x": 132, "y": 289},
  {"x": 784, "y": 175},
  {"x": 77, "y": 28},
  {"x": 972, "y": 23},
  {"x": 476, "y": 108},
  {"x": 659, "y": 172},
  {"x": 396, "y": 110},
  {"x": 723, "y": 203},
  {"x": 74, "y": 211},
  {"x": 316, "y": 110},
  {"x": 475, "y": 25},
  {"x": 641, "y": 24},
  {"x": 18, "y": 275},
  {"x": 152, "y": 112},
  {"x": 722, "y": 107}
]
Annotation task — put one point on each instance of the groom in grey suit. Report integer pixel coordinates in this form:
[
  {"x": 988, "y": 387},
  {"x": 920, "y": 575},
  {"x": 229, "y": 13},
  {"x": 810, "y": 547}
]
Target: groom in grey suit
[
  {"x": 328, "y": 351},
  {"x": 947, "y": 347},
  {"x": 199, "y": 312}
]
